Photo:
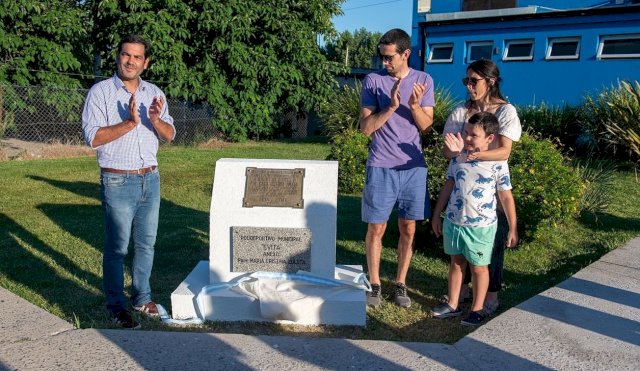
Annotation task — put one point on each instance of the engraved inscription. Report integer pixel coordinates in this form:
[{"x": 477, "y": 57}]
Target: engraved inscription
[
  {"x": 273, "y": 188},
  {"x": 271, "y": 249}
]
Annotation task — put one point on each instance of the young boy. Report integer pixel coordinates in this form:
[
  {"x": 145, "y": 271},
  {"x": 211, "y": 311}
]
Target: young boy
[{"x": 470, "y": 224}]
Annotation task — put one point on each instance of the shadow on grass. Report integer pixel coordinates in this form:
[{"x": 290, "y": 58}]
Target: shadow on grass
[
  {"x": 607, "y": 222},
  {"x": 33, "y": 270},
  {"x": 182, "y": 238}
]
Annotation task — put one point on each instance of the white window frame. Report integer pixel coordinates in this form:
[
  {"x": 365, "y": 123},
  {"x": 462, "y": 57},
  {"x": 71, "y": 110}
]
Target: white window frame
[
  {"x": 604, "y": 38},
  {"x": 553, "y": 40},
  {"x": 440, "y": 45},
  {"x": 508, "y": 43},
  {"x": 471, "y": 44}
]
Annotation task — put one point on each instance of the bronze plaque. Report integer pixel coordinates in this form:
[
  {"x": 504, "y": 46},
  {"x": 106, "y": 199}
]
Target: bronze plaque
[
  {"x": 273, "y": 188},
  {"x": 271, "y": 249}
]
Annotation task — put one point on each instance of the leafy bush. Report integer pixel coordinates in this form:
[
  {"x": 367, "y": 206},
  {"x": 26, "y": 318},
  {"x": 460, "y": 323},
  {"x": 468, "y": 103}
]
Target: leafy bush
[
  {"x": 342, "y": 113},
  {"x": 350, "y": 148},
  {"x": 598, "y": 179},
  {"x": 444, "y": 105},
  {"x": 559, "y": 122},
  {"x": 433, "y": 142},
  {"x": 544, "y": 187},
  {"x": 618, "y": 106},
  {"x": 623, "y": 126}
]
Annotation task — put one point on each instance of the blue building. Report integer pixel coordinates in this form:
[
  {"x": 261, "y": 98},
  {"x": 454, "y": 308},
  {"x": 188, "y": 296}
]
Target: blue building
[{"x": 547, "y": 51}]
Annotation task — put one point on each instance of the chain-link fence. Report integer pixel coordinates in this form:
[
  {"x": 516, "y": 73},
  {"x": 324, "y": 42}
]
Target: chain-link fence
[{"x": 47, "y": 115}]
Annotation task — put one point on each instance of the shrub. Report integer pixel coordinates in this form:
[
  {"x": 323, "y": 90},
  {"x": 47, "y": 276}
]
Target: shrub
[
  {"x": 598, "y": 179},
  {"x": 444, "y": 105},
  {"x": 623, "y": 126},
  {"x": 350, "y": 148},
  {"x": 617, "y": 106},
  {"x": 559, "y": 122},
  {"x": 433, "y": 142},
  {"x": 544, "y": 187},
  {"x": 341, "y": 113}
]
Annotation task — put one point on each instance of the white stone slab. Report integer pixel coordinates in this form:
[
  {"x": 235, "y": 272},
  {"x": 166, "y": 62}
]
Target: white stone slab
[
  {"x": 340, "y": 306},
  {"x": 320, "y": 197}
]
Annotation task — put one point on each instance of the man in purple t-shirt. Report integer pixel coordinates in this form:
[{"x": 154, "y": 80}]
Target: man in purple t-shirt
[{"x": 396, "y": 107}]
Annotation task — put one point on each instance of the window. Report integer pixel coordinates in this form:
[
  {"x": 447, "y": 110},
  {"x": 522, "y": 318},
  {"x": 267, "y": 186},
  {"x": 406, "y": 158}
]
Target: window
[
  {"x": 440, "y": 53},
  {"x": 563, "y": 48},
  {"x": 479, "y": 50},
  {"x": 518, "y": 50},
  {"x": 619, "y": 46}
]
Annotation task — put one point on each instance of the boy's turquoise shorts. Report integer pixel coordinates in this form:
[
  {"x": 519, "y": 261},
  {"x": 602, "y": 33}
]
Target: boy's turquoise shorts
[{"x": 475, "y": 243}]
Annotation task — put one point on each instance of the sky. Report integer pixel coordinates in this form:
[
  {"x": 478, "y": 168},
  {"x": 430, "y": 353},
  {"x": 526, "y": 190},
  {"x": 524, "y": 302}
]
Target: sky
[{"x": 375, "y": 15}]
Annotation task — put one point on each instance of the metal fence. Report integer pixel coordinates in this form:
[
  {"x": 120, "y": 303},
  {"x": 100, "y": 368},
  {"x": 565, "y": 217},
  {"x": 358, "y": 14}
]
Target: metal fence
[{"x": 49, "y": 115}]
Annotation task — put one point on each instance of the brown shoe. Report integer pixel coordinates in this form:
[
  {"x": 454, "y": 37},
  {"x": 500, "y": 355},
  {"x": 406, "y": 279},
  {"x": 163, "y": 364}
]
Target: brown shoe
[
  {"x": 125, "y": 320},
  {"x": 150, "y": 309}
]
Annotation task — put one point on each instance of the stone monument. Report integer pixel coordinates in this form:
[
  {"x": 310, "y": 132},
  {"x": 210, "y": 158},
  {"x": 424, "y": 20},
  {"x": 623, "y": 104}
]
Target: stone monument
[{"x": 273, "y": 248}]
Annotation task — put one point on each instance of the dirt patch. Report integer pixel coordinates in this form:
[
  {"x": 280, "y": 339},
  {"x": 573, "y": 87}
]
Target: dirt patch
[
  {"x": 213, "y": 144},
  {"x": 15, "y": 149}
]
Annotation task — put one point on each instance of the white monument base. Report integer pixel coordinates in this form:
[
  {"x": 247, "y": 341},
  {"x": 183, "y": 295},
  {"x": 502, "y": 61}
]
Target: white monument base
[{"x": 339, "y": 305}]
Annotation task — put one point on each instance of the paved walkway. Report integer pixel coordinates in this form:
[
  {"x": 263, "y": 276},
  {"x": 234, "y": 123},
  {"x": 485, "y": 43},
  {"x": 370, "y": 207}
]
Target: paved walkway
[{"x": 590, "y": 321}]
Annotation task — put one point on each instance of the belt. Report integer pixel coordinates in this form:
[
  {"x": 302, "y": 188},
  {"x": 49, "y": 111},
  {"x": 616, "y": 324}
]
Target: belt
[{"x": 144, "y": 170}]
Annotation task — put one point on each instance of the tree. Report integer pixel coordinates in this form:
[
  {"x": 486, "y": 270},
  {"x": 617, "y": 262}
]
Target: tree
[
  {"x": 42, "y": 42},
  {"x": 251, "y": 60},
  {"x": 354, "y": 50}
]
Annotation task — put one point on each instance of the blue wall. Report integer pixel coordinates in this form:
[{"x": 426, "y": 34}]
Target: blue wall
[
  {"x": 531, "y": 82},
  {"x": 450, "y": 6}
]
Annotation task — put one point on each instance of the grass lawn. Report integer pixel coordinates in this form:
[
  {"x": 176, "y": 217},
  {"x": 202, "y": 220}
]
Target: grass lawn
[{"x": 51, "y": 236}]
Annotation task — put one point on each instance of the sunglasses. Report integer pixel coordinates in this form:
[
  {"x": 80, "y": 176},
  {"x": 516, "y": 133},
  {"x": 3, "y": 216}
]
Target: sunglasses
[
  {"x": 388, "y": 58},
  {"x": 470, "y": 81}
]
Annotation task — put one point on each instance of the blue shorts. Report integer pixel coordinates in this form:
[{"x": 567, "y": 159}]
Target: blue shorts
[
  {"x": 475, "y": 243},
  {"x": 386, "y": 189}
]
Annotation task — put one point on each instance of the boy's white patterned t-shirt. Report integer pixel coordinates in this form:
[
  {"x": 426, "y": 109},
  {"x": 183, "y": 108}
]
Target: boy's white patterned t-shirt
[{"x": 473, "y": 200}]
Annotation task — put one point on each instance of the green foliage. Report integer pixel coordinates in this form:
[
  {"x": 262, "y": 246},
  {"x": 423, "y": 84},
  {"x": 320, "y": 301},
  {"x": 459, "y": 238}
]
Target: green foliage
[
  {"x": 559, "y": 122},
  {"x": 444, "y": 105},
  {"x": 250, "y": 60},
  {"x": 598, "y": 177},
  {"x": 432, "y": 144},
  {"x": 354, "y": 50},
  {"x": 42, "y": 42},
  {"x": 616, "y": 106},
  {"x": 350, "y": 148},
  {"x": 544, "y": 187},
  {"x": 623, "y": 125},
  {"x": 342, "y": 112}
]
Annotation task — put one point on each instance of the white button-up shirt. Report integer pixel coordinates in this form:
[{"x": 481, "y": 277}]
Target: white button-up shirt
[{"x": 107, "y": 104}]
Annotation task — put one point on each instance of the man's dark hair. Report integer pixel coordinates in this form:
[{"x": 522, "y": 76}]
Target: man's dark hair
[
  {"x": 135, "y": 39},
  {"x": 488, "y": 120},
  {"x": 398, "y": 37}
]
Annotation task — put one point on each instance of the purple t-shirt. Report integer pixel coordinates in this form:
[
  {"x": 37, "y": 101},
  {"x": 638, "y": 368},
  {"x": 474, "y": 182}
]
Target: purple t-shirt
[{"x": 397, "y": 144}]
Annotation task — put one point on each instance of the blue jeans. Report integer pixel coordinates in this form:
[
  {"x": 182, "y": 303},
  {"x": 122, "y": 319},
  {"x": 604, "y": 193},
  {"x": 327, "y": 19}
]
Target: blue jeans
[{"x": 131, "y": 205}]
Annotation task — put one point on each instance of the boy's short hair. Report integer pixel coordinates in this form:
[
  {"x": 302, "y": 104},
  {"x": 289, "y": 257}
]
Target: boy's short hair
[
  {"x": 488, "y": 120},
  {"x": 396, "y": 36}
]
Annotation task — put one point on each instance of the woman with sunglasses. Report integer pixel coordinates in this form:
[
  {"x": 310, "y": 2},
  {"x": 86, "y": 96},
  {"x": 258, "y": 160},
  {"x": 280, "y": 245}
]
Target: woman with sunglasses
[{"x": 483, "y": 86}]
